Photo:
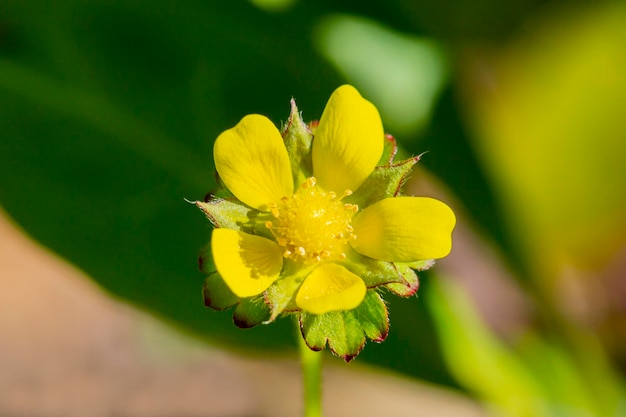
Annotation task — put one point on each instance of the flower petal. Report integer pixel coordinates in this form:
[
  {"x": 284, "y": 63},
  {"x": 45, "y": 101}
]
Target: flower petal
[
  {"x": 404, "y": 229},
  {"x": 330, "y": 287},
  {"x": 348, "y": 141},
  {"x": 247, "y": 263},
  {"x": 252, "y": 161}
]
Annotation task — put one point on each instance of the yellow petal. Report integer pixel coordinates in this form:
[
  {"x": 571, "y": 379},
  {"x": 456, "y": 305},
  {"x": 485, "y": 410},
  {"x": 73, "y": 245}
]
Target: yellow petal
[
  {"x": 330, "y": 287},
  {"x": 404, "y": 229},
  {"x": 247, "y": 263},
  {"x": 348, "y": 141},
  {"x": 252, "y": 161}
]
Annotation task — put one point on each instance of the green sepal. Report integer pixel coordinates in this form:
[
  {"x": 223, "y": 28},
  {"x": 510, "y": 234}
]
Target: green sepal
[
  {"x": 372, "y": 271},
  {"x": 251, "y": 312},
  {"x": 280, "y": 296},
  {"x": 345, "y": 331},
  {"x": 298, "y": 139},
  {"x": 410, "y": 281},
  {"x": 228, "y": 213},
  {"x": 390, "y": 149},
  {"x": 384, "y": 182},
  {"x": 216, "y": 293}
]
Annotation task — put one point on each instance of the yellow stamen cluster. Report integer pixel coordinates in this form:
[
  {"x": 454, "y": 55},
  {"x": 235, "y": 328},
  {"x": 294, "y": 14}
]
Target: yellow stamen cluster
[{"x": 313, "y": 224}]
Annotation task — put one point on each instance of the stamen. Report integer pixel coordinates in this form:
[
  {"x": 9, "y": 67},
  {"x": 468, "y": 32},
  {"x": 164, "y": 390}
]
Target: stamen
[
  {"x": 310, "y": 182},
  {"x": 312, "y": 225}
]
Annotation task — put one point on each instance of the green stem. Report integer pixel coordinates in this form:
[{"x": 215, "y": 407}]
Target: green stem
[{"x": 312, "y": 377}]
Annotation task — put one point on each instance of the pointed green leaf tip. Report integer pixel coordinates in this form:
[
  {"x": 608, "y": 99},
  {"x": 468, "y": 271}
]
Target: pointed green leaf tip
[
  {"x": 346, "y": 331},
  {"x": 385, "y": 181},
  {"x": 230, "y": 214},
  {"x": 298, "y": 139}
]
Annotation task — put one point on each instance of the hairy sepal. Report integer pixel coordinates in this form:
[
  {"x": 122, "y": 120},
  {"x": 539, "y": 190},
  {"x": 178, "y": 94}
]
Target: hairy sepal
[
  {"x": 298, "y": 139},
  {"x": 385, "y": 181}
]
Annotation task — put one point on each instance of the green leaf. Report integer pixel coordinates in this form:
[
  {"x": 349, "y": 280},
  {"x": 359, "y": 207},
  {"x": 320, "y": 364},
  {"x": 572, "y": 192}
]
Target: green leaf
[
  {"x": 345, "y": 331},
  {"x": 478, "y": 359},
  {"x": 562, "y": 215},
  {"x": 216, "y": 293}
]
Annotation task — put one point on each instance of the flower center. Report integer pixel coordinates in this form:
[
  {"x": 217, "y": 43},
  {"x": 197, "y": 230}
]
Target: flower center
[{"x": 313, "y": 224}]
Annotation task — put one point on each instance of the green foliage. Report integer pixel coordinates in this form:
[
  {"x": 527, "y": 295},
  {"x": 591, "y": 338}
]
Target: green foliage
[
  {"x": 345, "y": 331},
  {"x": 515, "y": 383}
]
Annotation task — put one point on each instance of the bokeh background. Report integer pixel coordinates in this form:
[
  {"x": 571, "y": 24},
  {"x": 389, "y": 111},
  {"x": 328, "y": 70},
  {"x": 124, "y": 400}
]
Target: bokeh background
[{"x": 108, "y": 113}]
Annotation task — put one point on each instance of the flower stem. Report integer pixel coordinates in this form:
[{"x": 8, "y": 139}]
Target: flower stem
[{"x": 312, "y": 378}]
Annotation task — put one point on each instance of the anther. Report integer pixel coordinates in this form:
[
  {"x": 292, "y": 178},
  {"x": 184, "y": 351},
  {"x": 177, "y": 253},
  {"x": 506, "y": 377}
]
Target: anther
[
  {"x": 300, "y": 251},
  {"x": 347, "y": 192},
  {"x": 286, "y": 253},
  {"x": 310, "y": 182},
  {"x": 332, "y": 195},
  {"x": 268, "y": 224}
]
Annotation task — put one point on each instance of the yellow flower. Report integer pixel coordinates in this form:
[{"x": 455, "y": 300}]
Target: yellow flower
[{"x": 308, "y": 226}]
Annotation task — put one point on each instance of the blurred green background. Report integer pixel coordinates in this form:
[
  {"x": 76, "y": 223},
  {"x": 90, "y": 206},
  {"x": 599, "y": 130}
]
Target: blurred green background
[{"x": 109, "y": 110}]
